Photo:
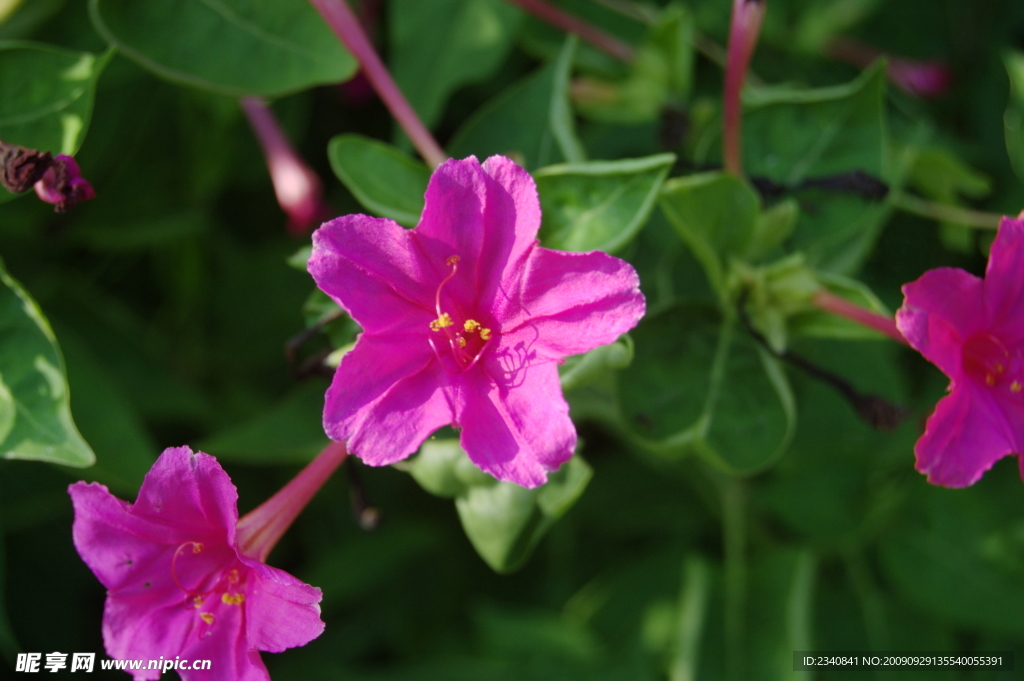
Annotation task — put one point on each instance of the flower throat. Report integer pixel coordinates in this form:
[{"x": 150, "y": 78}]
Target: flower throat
[{"x": 466, "y": 341}]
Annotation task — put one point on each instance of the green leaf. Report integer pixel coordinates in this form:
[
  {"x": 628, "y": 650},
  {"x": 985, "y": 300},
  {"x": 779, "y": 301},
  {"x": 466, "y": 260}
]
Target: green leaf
[
  {"x": 23, "y": 18},
  {"x": 698, "y": 388},
  {"x": 467, "y": 41},
  {"x": 529, "y": 119},
  {"x": 109, "y": 419},
  {"x": 716, "y": 214},
  {"x": 774, "y": 225},
  {"x": 660, "y": 75},
  {"x": 289, "y": 432},
  {"x": 600, "y": 205},
  {"x": 941, "y": 176},
  {"x": 957, "y": 555},
  {"x": 46, "y": 96},
  {"x": 502, "y": 520},
  {"x": 382, "y": 178},
  {"x": 235, "y": 47},
  {"x": 792, "y": 134},
  {"x": 580, "y": 370},
  {"x": 34, "y": 385},
  {"x": 780, "y": 611},
  {"x": 1013, "y": 119}
]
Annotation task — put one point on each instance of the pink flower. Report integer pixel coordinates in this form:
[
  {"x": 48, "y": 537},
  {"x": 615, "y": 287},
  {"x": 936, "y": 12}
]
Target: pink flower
[
  {"x": 181, "y": 581},
  {"x": 63, "y": 185},
  {"x": 973, "y": 330},
  {"x": 921, "y": 78},
  {"x": 465, "y": 320},
  {"x": 297, "y": 186}
]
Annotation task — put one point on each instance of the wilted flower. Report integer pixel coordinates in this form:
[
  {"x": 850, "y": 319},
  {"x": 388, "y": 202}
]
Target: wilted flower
[
  {"x": 63, "y": 185},
  {"x": 465, "y": 320},
  {"x": 973, "y": 330}
]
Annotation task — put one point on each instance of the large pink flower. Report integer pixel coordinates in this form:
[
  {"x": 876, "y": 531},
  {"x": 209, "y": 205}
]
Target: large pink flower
[
  {"x": 973, "y": 330},
  {"x": 465, "y": 319},
  {"x": 177, "y": 582}
]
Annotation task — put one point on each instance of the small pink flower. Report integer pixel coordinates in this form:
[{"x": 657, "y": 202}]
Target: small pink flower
[
  {"x": 465, "y": 320},
  {"x": 297, "y": 186},
  {"x": 63, "y": 185},
  {"x": 973, "y": 330},
  {"x": 178, "y": 581},
  {"x": 920, "y": 78}
]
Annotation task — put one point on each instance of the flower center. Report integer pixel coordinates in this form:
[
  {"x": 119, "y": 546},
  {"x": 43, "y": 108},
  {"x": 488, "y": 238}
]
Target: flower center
[
  {"x": 208, "y": 581},
  {"x": 990, "y": 362},
  {"x": 462, "y": 340}
]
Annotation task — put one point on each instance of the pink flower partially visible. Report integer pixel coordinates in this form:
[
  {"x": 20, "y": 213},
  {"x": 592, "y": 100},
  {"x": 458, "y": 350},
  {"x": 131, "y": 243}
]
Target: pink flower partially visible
[
  {"x": 63, "y": 185},
  {"x": 465, "y": 321},
  {"x": 973, "y": 330},
  {"x": 297, "y": 186},
  {"x": 178, "y": 581},
  {"x": 920, "y": 78}
]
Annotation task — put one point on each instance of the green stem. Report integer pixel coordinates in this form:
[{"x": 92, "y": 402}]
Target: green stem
[
  {"x": 692, "y": 607},
  {"x": 945, "y": 212},
  {"x": 735, "y": 538}
]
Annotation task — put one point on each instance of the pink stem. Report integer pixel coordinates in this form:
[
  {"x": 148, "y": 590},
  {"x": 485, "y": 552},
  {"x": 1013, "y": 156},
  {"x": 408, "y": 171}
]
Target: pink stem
[
  {"x": 298, "y": 188},
  {"x": 569, "y": 23},
  {"x": 343, "y": 22},
  {"x": 260, "y": 529},
  {"x": 743, "y": 33},
  {"x": 830, "y": 302}
]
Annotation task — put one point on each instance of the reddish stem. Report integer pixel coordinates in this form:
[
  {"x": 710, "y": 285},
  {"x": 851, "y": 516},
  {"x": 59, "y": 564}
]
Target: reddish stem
[
  {"x": 746, "y": 26},
  {"x": 343, "y": 22},
  {"x": 830, "y": 302},
  {"x": 260, "y": 529},
  {"x": 570, "y": 23}
]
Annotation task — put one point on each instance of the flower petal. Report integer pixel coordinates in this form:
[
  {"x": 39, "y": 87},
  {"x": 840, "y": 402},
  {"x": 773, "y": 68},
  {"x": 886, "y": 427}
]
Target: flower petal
[
  {"x": 1004, "y": 283},
  {"x": 372, "y": 268},
  {"x": 231, "y": 656},
  {"x": 573, "y": 302},
  {"x": 386, "y": 398},
  {"x": 516, "y": 426},
  {"x": 965, "y": 435},
  {"x": 940, "y": 312},
  {"x": 112, "y": 541},
  {"x": 488, "y": 216},
  {"x": 281, "y": 611},
  {"x": 146, "y": 626},
  {"x": 186, "y": 489}
]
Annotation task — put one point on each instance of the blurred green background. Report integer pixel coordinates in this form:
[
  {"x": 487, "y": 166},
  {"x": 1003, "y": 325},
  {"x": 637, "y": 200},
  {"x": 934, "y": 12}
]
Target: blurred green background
[{"x": 172, "y": 301}]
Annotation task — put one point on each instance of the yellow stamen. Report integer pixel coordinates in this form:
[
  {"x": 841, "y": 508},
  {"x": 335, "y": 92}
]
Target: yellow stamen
[
  {"x": 462, "y": 342},
  {"x": 206, "y": 617},
  {"x": 197, "y": 547},
  {"x": 471, "y": 325},
  {"x": 233, "y": 599},
  {"x": 197, "y": 601},
  {"x": 444, "y": 321},
  {"x": 1015, "y": 386},
  {"x": 485, "y": 334},
  {"x": 999, "y": 368},
  {"x": 452, "y": 260},
  {"x": 233, "y": 577},
  {"x": 990, "y": 380}
]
